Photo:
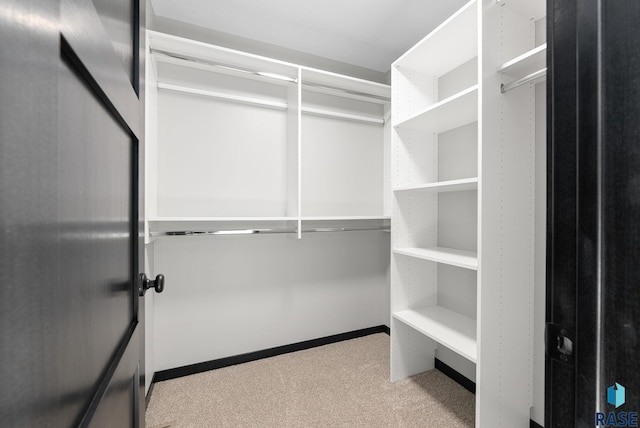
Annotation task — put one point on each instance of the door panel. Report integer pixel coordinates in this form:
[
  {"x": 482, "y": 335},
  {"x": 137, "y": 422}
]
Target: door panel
[
  {"x": 70, "y": 125},
  {"x": 594, "y": 200},
  {"x": 100, "y": 116},
  {"x": 95, "y": 206},
  {"x": 561, "y": 205},
  {"x": 620, "y": 199}
]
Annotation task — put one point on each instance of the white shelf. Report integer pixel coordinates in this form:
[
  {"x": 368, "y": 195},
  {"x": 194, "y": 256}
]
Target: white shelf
[
  {"x": 457, "y": 110},
  {"x": 345, "y": 86},
  {"x": 527, "y": 63},
  {"x": 443, "y": 186},
  {"x": 343, "y": 218},
  {"x": 197, "y": 54},
  {"x": 530, "y": 9},
  {"x": 220, "y": 219},
  {"x": 453, "y": 330},
  {"x": 453, "y": 42},
  {"x": 449, "y": 256}
]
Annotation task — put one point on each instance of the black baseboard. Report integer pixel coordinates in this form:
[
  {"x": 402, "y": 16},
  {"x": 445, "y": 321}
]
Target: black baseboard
[
  {"x": 534, "y": 424},
  {"x": 148, "y": 397},
  {"x": 266, "y": 353},
  {"x": 386, "y": 330},
  {"x": 456, "y": 375}
]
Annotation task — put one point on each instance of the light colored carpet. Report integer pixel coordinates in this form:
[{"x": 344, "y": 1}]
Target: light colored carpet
[{"x": 344, "y": 384}]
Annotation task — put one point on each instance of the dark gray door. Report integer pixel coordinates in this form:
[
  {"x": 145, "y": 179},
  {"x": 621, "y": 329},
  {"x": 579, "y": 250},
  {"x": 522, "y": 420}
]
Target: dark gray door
[
  {"x": 70, "y": 160},
  {"x": 593, "y": 273}
]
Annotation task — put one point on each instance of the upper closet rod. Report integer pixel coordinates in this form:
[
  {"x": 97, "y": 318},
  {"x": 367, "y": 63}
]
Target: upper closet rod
[
  {"x": 530, "y": 78},
  {"x": 266, "y": 231}
]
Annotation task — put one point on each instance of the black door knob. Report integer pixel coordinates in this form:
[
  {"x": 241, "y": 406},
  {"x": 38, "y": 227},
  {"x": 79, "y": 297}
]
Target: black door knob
[{"x": 146, "y": 283}]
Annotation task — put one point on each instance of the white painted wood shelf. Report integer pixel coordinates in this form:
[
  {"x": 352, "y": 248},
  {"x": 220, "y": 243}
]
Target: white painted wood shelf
[
  {"x": 216, "y": 219},
  {"x": 451, "y": 329},
  {"x": 452, "y": 112},
  {"x": 453, "y": 43},
  {"x": 345, "y": 218},
  {"x": 527, "y": 63},
  {"x": 448, "y": 256},
  {"x": 442, "y": 186}
]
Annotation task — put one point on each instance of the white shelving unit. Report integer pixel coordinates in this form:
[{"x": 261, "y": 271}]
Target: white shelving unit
[
  {"x": 435, "y": 171},
  {"x": 463, "y": 179},
  {"x": 321, "y": 155},
  {"x": 246, "y": 157}
]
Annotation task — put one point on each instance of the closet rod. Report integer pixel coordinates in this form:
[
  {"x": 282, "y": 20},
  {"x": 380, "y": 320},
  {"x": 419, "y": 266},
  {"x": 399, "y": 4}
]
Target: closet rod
[
  {"x": 516, "y": 83},
  {"x": 329, "y": 113},
  {"x": 223, "y": 96},
  {"x": 266, "y": 231},
  {"x": 345, "y": 91},
  {"x": 265, "y": 103},
  {"x": 159, "y": 53}
]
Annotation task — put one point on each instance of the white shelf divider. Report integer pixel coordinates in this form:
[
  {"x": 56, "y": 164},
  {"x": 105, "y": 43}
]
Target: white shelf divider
[
  {"x": 527, "y": 63},
  {"x": 443, "y": 186},
  {"x": 449, "y": 328},
  {"x": 449, "y": 256},
  {"x": 457, "y": 110}
]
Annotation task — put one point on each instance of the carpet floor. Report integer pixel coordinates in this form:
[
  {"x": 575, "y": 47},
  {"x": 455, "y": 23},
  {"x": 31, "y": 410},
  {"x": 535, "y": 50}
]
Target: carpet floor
[{"x": 344, "y": 384}]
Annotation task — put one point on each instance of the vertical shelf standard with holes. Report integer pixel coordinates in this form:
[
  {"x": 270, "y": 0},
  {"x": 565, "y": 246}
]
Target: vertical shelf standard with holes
[{"x": 513, "y": 212}]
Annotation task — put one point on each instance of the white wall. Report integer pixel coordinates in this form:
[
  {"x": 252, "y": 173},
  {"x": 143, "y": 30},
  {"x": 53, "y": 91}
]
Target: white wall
[
  {"x": 219, "y": 38},
  {"x": 229, "y": 295}
]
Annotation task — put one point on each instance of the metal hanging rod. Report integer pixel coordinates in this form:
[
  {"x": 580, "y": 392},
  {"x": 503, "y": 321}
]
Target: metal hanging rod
[
  {"x": 266, "y": 103},
  {"x": 223, "y": 96},
  {"x": 320, "y": 112},
  {"x": 236, "y": 68},
  {"x": 345, "y": 91},
  {"x": 526, "y": 79},
  {"x": 266, "y": 231}
]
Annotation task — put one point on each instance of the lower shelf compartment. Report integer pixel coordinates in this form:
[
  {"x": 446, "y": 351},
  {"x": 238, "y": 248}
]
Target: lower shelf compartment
[{"x": 451, "y": 329}]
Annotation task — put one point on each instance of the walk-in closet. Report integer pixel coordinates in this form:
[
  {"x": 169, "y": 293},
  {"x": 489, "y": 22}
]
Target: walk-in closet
[
  {"x": 284, "y": 213},
  {"x": 287, "y": 204}
]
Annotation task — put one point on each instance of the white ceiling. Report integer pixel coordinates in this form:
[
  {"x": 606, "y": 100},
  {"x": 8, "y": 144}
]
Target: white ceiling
[{"x": 366, "y": 33}]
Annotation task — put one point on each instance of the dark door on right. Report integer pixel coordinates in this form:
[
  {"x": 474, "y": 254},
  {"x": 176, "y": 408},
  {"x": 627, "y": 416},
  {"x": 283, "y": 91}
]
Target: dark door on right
[{"x": 593, "y": 240}]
